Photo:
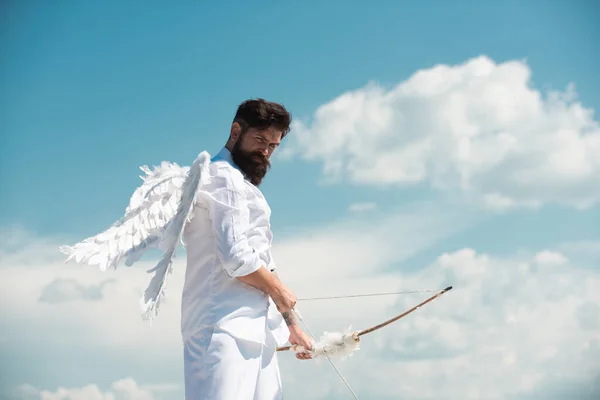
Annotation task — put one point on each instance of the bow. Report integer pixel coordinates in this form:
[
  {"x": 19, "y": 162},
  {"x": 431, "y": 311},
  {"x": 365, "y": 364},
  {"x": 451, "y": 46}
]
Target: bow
[{"x": 344, "y": 344}]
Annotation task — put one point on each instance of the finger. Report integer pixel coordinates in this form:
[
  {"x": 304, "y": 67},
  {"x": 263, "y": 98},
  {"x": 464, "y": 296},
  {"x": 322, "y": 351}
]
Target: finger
[{"x": 303, "y": 356}]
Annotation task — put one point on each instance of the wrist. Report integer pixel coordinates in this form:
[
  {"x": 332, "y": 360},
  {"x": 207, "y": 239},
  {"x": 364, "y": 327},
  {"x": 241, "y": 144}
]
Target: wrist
[
  {"x": 294, "y": 327},
  {"x": 290, "y": 320}
]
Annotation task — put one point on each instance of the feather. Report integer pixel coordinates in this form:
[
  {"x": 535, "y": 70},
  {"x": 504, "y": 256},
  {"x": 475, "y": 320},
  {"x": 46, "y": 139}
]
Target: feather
[
  {"x": 155, "y": 218},
  {"x": 334, "y": 344},
  {"x": 150, "y": 301},
  {"x": 144, "y": 215}
]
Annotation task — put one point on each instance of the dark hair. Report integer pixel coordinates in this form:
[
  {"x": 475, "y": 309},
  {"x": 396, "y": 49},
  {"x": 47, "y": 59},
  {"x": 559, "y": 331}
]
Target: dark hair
[{"x": 262, "y": 114}]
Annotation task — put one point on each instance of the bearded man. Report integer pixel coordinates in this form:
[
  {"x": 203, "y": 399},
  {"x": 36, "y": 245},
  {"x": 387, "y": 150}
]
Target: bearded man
[{"x": 235, "y": 310}]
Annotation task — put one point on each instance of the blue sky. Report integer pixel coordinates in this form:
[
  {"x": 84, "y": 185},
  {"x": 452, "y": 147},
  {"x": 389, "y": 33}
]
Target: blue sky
[
  {"x": 93, "y": 91},
  {"x": 90, "y": 92}
]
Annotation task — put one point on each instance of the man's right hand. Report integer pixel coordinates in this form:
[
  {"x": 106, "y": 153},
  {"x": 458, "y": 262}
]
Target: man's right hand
[{"x": 283, "y": 298}]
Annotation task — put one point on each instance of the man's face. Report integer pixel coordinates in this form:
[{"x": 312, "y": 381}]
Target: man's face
[{"x": 252, "y": 151}]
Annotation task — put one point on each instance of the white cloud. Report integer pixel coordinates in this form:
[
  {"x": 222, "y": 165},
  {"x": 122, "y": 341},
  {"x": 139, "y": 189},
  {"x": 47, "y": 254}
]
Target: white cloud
[
  {"x": 588, "y": 247},
  {"x": 328, "y": 262},
  {"x": 352, "y": 255},
  {"x": 478, "y": 127},
  {"x": 27, "y": 287},
  {"x": 547, "y": 257},
  {"x": 507, "y": 330},
  {"x": 61, "y": 290},
  {"x": 509, "y": 327},
  {"x": 31, "y": 290},
  {"x": 360, "y": 207},
  {"x": 123, "y": 389}
]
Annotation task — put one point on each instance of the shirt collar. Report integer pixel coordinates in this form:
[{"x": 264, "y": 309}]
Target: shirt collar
[{"x": 225, "y": 155}]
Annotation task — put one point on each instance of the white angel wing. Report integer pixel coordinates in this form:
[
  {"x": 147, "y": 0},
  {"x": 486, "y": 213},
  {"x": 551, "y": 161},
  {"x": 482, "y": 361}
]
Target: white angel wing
[
  {"x": 151, "y": 207},
  {"x": 172, "y": 235},
  {"x": 156, "y": 216}
]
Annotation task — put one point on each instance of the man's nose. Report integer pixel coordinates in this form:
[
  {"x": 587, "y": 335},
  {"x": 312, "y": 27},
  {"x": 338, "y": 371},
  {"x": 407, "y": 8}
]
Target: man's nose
[{"x": 264, "y": 151}]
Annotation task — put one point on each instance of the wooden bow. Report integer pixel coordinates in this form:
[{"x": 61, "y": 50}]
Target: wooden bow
[{"x": 358, "y": 334}]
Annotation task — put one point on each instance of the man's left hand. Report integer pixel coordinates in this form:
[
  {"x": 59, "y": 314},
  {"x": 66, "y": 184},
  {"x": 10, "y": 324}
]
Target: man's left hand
[{"x": 298, "y": 337}]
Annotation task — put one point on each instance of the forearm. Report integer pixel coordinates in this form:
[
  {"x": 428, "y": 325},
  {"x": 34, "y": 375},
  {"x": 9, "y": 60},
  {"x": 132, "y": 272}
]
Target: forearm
[
  {"x": 269, "y": 283},
  {"x": 263, "y": 280},
  {"x": 289, "y": 317}
]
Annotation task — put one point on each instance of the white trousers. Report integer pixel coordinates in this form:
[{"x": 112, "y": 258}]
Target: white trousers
[{"x": 219, "y": 367}]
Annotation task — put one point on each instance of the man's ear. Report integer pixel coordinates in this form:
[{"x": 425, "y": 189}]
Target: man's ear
[{"x": 235, "y": 132}]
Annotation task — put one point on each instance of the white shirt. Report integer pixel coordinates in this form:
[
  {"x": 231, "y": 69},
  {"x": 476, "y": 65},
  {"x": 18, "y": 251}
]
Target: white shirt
[{"x": 229, "y": 236}]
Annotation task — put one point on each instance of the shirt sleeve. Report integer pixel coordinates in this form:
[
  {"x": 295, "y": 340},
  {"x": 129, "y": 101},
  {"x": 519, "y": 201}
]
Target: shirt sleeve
[
  {"x": 230, "y": 217},
  {"x": 272, "y": 266}
]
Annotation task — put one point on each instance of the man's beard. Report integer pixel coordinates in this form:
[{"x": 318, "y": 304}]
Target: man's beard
[{"x": 254, "y": 169}]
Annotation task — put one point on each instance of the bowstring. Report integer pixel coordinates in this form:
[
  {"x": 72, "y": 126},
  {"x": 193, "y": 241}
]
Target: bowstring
[
  {"x": 299, "y": 316},
  {"x": 366, "y": 295},
  {"x": 297, "y": 313}
]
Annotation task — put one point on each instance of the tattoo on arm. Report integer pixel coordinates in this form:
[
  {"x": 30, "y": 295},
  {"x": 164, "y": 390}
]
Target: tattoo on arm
[{"x": 289, "y": 318}]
